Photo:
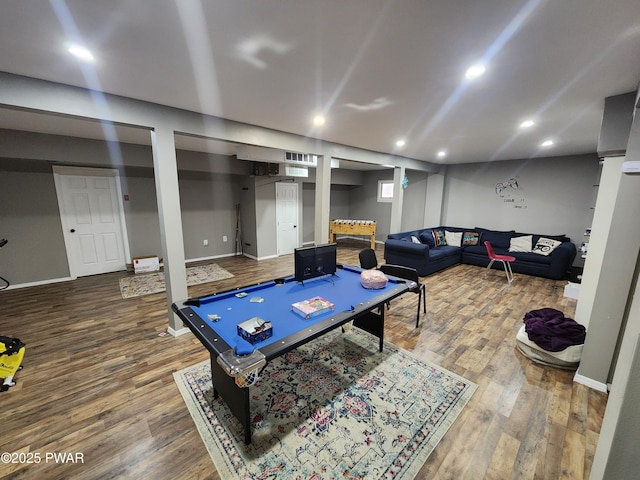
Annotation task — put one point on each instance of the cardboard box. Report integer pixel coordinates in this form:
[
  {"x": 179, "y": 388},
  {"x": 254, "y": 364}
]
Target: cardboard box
[
  {"x": 312, "y": 307},
  {"x": 255, "y": 330},
  {"x": 572, "y": 290},
  {"x": 146, "y": 264}
]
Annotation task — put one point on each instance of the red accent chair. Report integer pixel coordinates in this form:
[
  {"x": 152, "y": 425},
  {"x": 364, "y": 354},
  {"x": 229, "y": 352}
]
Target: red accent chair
[{"x": 505, "y": 259}]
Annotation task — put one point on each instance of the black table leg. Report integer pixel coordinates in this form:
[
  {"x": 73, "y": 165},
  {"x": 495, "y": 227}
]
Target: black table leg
[
  {"x": 236, "y": 398},
  {"x": 373, "y": 323}
]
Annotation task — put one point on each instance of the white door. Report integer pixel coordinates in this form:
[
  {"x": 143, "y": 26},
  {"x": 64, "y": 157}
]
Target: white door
[
  {"x": 287, "y": 217},
  {"x": 92, "y": 218}
]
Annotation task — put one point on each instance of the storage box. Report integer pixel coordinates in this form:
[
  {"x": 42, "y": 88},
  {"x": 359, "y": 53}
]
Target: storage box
[
  {"x": 255, "y": 330},
  {"x": 572, "y": 290},
  {"x": 312, "y": 307},
  {"x": 146, "y": 264}
]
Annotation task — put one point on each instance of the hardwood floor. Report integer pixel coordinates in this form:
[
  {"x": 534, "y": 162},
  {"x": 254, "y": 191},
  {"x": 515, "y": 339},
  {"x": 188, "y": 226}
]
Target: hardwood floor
[{"x": 97, "y": 378}]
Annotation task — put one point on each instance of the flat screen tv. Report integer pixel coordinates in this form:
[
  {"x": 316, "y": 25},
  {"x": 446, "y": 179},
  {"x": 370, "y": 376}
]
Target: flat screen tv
[
  {"x": 326, "y": 259},
  {"x": 316, "y": 261}
]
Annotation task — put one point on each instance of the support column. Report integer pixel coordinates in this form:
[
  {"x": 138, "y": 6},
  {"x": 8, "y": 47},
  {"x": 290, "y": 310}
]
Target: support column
[
  {"x": 323, "y": 199},
  {"x": 165, "y": 170},
  {"x": 395, "y": 224},
  {"x": 608, "y": 272}
]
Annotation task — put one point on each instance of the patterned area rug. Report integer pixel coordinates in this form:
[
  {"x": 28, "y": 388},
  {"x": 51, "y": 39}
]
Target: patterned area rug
[
  {"x": 333, "y": 408},
  {"x": 138, "y": 285}
]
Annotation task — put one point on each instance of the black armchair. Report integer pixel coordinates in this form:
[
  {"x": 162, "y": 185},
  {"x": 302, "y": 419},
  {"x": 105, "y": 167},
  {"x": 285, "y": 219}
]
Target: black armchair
[
  {"x": 368, "y": 259},
  {"x": 409, "y": 273}
]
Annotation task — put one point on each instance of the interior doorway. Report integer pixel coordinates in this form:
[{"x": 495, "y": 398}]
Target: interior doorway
[
  {"x": 92, "y": 218},
  {"x": 287, "y": 217}
]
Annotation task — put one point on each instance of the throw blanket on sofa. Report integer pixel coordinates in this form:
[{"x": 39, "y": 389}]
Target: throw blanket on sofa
[{"x": 552, "y": 331}]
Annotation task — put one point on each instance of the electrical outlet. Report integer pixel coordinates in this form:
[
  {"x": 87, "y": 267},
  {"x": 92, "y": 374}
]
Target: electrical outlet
[
  {"x": 206, "y": 243},
  {"x": 224, "y": 238}
]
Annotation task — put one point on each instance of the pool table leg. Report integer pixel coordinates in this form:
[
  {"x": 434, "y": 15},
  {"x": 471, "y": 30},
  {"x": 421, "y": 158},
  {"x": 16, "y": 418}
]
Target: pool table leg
[
  {"x": 236, "y": 398},
  {"x": 373, "y": 323}
]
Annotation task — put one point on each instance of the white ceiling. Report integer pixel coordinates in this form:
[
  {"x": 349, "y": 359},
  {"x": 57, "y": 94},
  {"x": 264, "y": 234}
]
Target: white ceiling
[{"x": 379, "y": 70}]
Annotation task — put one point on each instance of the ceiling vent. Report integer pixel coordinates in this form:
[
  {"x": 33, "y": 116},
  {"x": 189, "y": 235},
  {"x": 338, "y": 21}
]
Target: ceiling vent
[
  {"x": 272, "y": 155},
  {"x": 294, "y": 171},
  {"x": 305, "y": 159}
]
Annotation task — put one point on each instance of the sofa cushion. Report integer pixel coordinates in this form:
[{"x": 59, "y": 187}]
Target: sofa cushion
[
  {"x": 544, "y": 246},
  {"x": 560, "y": 238},
  {"x": 530, "y": 257},
  {"x": 444, "y": 251},
  {"x": 439, "y": 238},
  {"x": 522, "y": 243},
  {"x": 498, "y": 239},
  {"x": 427, "y": 238},
  {"x": 536, "y": 236},
  {"x": 476, "y": 249},
  {"x": 415, "y": 239},
  {"x": 453, "y": 238},
  {"x": 470, "y": 238}
]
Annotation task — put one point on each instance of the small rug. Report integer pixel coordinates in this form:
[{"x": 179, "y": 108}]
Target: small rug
[
  {"x": 138, "y": 285},
  {"x": 333, "y": 408}
]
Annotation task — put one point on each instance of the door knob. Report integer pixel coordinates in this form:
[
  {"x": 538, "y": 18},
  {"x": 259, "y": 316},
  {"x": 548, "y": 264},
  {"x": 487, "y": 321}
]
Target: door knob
[{"x": 73, "y": 230}]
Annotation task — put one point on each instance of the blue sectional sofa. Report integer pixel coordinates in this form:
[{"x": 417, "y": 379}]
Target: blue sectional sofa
[{"x": 549, "y": 256}]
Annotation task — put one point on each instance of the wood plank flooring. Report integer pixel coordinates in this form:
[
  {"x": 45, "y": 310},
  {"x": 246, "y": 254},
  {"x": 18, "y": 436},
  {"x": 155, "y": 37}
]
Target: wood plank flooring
[{"x": 97, "y": 378}]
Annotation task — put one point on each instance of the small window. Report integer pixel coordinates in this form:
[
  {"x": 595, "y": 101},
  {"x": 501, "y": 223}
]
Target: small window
[{"x": 385, "y": 190}]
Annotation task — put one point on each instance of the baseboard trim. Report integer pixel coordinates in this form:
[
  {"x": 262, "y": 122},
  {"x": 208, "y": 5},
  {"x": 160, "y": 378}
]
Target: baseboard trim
[
  {"x": 177, "y": 333},
  {"x": 268, "y": 257},
  {"x": 224, "y": 255},
  {"x": 591, "y": 383},
  {"x": 40, "y": 282}
]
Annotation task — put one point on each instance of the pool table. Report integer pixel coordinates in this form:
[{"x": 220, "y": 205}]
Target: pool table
[{"x": 214, "y": 318}]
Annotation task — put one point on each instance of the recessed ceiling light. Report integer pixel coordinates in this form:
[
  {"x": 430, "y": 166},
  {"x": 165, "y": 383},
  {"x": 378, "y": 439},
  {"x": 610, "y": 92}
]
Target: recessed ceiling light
[
  {"x": 81, "y": 52},
  {"x": 442, "y": 153},
  {"x": 527, "y": 124},
  {"x": 318, "y": 120},
  {"x": 475, "y": 71},
  {"x": 400, "y": 143},
  {"x": 546, "y": 143}
]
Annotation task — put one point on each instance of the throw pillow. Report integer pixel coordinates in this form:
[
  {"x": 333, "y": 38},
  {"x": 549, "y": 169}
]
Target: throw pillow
[
  {"x": 439, "y": 238},
  {"x": 453, "y": 238},
  {"x": 415, "y": 239},
  {"x": 545, "y": 246},
  {"x": 427, "y": 237},
  {"x": 560, "y": 238},
  {"x": 497, "y": 238},
  {"x": 470, "y": 238},
  {"x": 521, "y": 244}
]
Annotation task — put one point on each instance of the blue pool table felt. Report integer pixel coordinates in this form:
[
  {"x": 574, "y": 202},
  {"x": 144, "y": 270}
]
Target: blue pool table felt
[{"x": 344, "y": 290}]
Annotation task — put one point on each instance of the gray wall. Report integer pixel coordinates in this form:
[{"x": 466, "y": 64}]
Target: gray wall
[
  {"x": 266, "y": 217},
  {"x": 558, "y": 194},
  {"x": 208, "y": 213},
  {"x": 413, "y": 203},
  {"x": 30, "y": 220},
  {"x": 209, "y": 185},
  {"x": 364, "y": 204},
  {"x": 248, "y": 217},
  {"x": 554, "y": 195},
  {"x": 141, "y": 213},
  {"x": 340, "y": 207}
]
